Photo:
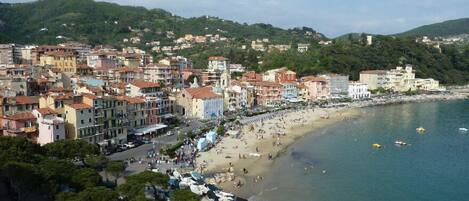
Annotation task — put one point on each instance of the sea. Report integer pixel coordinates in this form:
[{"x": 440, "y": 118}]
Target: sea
[{"x": 340, "y": 164}]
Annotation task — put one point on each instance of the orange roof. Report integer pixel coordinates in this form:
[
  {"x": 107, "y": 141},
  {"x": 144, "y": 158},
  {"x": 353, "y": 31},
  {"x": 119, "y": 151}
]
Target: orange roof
[
  {"x": 60, "y": 54},
  {"x": 90, "y": 96},
  {"x": 131, "y": 100},
  {"x": 373, "y": 72},
  {"x": 21, "y": 116},
  {"x": 46, "y": 111},
  {"x": 80, "y": 106},
  {"x": 144, "y": 84},
  {"x": 217, "y": 58},
  {"x": 27, "y": 100},
  {"x": 202, "y": 93}
]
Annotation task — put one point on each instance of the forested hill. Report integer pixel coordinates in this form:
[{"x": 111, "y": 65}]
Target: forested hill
[
  {"x": 442, "y": 29},
  {"x": 93, "y": 22}
]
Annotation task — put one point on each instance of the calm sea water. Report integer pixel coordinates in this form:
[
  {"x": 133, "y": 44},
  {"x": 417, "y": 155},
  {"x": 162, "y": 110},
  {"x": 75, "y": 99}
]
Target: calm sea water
[{"x": 435, "y": 167}]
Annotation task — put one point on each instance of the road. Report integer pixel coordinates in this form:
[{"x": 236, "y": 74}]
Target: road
[{"x": 141, "y": 151}]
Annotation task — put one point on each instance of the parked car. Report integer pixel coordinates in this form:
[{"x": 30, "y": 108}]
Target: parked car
[{"x": 130, "y": 145}]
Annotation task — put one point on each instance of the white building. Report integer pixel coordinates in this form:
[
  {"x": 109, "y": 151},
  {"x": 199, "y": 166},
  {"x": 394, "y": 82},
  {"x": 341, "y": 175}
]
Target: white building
[
  {"x": 369, "y": 40},
  {"x": 218, "y": 63},
  {"x": 358, "y": 91},
  {"x": 200, "y": 103},
  {"x": 143, "y": 88},
  {"x": 303, "y": 47},
  {"x": 51, "y": 127}
]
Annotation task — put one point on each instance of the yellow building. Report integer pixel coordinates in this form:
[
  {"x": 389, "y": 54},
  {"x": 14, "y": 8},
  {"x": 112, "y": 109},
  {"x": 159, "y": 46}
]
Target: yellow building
[
  {"x": 65, "y": 62},
  {"x": 81, "y": 124}
]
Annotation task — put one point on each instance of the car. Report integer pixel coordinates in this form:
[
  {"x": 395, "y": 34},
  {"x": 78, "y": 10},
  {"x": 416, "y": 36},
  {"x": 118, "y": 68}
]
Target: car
[
  {"x": 121, "y": 147},
  {"x": 169, "y": 133},
  {"x": 130, "y": 145}
]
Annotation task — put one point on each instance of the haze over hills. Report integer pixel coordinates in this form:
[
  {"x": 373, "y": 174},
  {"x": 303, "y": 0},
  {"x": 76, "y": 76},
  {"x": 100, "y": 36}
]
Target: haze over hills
[{"x": 108, "y": 23}]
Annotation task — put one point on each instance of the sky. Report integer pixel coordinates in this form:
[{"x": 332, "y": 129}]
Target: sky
[{"x": 330, "y": 17}]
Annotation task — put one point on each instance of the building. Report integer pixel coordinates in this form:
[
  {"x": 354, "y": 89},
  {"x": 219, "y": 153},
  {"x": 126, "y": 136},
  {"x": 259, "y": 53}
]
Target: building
[
  {"x": 424, "y": 84},
  {"x": 251, "y": 76},
  {"x": 218, "y": 63},
  {"x": 267, "y": 93},
  {"x": 374, "y": 78},
  {"x": 81, "y": 123},
  {"x": 358, "y": 91},
  {"x": 369, "y": 40},
  {"x": 338, "y": 85},
  {"x": 20, "y": 124},
  {"x": 6, "y": 54},
  {"x": 211, "y": 77},
  {"x": 290, "y": 91},
  {"x": 18, "y": 104},
  {"x": 110, "y": 115},
  {"x": 160, "y": 73},
  {"x": 317, "y": 88},
  {"x": 238, "y": 68},
  {"x": 279, "y": 75},
  {"x": 200, "y": 103},
  {"x": 396, "y": 79},
  {"x": 302, "y": 48},
  {"x": 143, "y": 88},
  {"x": 65, "y": 62},
  {"x": 51, "y": 128}
]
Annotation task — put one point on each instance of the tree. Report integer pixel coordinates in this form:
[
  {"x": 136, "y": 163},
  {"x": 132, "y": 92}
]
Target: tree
[
  {"x": 90, "y": 194},
  {"x": 97, "y": 162},
  {"x": 221, "y": 130},
  {"x": 134, "y": 186},
  {"x": 85, "y": 178},
  {"x": 24, "y": 182},
  {"x": 19, "y": 149},
  {"x": 115, "y": 168},
  {"x": 71, "y": 149},
  {"x": 184, "y": 195}
]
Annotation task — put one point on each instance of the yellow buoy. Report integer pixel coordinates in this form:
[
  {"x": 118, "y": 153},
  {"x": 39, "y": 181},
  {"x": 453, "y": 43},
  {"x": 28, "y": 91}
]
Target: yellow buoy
[
  {"x": 420, "y": 129},
  {"x": 376, "y": 146}
]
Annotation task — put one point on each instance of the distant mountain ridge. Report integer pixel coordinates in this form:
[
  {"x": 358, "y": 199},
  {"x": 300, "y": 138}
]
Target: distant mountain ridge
[
  {"x": 442, "y": 29},
  {"x": 108, "y": 23}
]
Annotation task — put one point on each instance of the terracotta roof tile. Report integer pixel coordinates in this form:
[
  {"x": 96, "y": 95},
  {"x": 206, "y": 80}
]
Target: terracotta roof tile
[
  {"x": 27, "y": 100},
  {"x": 46, "y": 111},
  {"x": 202, "y": 93},
  {"x": 21, "y": 116},
  {"x": 80, "y": 106},
  {"x": 217, "y": 58},
  {"x": 144, "y": 84}
]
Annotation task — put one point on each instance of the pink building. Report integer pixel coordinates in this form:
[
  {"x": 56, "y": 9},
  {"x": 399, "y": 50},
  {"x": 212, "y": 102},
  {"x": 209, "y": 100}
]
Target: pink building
[
  {"x": 268, "y": 93},
  {"x": 317, "y": 88},
  {"x": 20, "y": 124}
]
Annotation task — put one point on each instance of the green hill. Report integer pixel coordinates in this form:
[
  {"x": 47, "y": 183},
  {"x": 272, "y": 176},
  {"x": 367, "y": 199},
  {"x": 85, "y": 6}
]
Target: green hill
[
  {"x": 108, "y": 23},
  {"x": 443, "y": 29}
]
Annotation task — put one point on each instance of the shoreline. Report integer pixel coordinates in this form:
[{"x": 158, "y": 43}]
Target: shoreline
[{"x": 292, "y": 126}]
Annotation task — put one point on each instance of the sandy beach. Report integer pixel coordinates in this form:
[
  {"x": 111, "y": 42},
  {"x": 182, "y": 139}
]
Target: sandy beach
[
  {"x": 244, "y": 161},
  {"x": 228, "y": 161}
]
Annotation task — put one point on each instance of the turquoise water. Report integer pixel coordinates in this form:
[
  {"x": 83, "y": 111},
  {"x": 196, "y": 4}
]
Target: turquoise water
[{"x": 435, "y": 167}]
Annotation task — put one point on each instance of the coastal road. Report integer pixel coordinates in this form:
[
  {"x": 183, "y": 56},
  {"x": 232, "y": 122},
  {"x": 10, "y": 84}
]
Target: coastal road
[{"x": 141, "y": 151}]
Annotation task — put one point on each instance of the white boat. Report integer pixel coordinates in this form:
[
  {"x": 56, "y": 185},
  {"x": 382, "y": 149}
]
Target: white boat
[
  {"x": 400, "y": 143},
  {"x": 463, "y": 129}
]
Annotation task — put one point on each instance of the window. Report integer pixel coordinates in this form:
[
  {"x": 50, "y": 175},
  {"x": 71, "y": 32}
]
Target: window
[
  {"x": 57, "y": 137},
  {"x": 89, "y": 120},
  {"x": 48, "y": 127},
  {"x": 82, "y": 122},
  {"x": 89, "y": 111},
  {"x": 56, "y": 126},
  {"x": 81, "y": 111}
]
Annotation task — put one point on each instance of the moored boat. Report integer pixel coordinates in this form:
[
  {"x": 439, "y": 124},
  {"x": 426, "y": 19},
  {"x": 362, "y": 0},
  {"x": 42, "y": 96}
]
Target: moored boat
[
  {"x": 420, "y": 129},
  {"x": 376, "y": 146},
  {"x": 400, "y": 143}
]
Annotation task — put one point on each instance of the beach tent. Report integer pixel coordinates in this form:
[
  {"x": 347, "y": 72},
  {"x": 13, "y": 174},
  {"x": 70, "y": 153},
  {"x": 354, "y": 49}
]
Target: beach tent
[
  {"x": 211, "y": 136},
  {"x": 202, "y": 144}
]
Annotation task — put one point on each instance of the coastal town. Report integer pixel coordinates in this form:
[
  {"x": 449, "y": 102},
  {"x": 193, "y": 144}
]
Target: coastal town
[{"x": 166, "y": 115}]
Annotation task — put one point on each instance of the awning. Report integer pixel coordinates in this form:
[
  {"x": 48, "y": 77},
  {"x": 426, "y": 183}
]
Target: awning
[{"x": 149, "y": 129}]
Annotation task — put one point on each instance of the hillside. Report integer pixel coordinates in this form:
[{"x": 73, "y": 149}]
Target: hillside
[
  {"x": 107, "y": 23},
  {"x": 443, "y": 29}
]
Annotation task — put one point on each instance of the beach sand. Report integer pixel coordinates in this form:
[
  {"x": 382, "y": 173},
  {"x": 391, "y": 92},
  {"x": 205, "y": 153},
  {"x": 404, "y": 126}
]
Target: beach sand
[{"x": 271, "y": 136}]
